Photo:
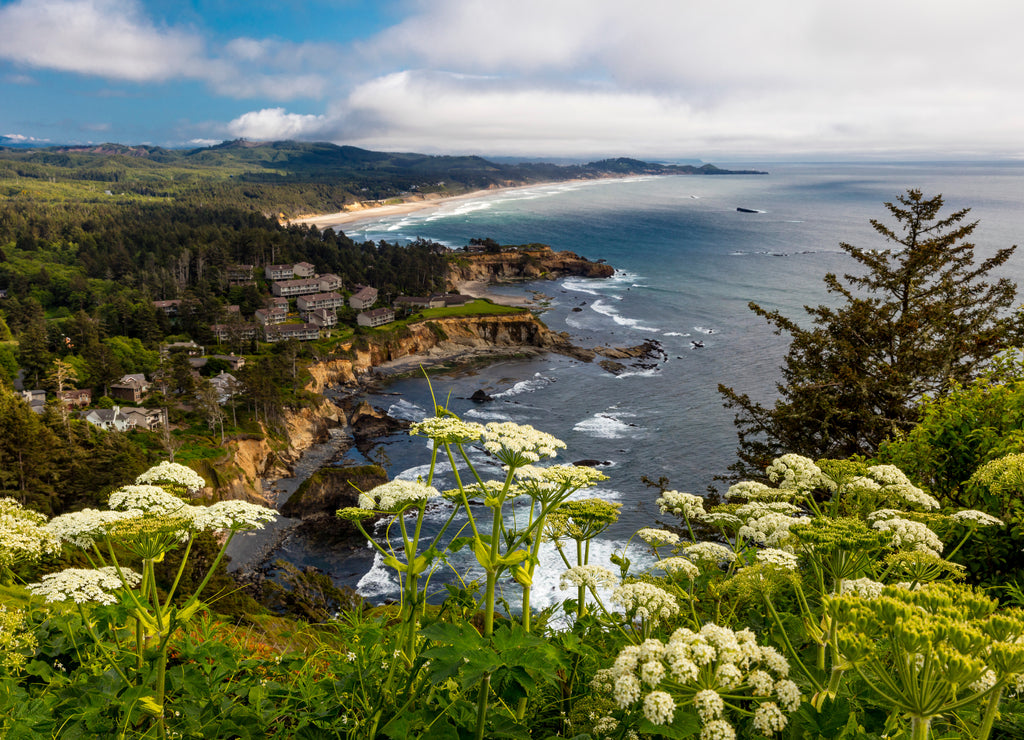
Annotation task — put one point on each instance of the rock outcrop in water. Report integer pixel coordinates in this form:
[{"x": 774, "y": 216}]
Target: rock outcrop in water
[{"x": 536, "y": 262}]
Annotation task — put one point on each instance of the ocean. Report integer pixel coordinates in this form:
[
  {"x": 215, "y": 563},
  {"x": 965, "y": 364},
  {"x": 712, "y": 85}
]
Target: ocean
[{"x": 687, "y": 264}]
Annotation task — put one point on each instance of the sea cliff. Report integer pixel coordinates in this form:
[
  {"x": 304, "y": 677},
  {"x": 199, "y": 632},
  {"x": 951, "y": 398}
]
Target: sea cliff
[{"x": 520, "y": 264}]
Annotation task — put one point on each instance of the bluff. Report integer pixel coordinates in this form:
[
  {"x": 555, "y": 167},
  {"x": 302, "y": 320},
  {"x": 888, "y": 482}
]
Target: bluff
[{"x": 519, "y": 264}]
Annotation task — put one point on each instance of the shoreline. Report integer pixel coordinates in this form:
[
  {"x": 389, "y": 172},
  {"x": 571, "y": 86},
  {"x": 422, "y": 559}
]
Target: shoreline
[{"x": 340, "y": 218}]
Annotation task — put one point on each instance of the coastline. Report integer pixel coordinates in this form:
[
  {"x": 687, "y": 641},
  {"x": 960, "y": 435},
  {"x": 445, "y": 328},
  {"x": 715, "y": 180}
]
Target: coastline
[{"x": 341, "y": 218}]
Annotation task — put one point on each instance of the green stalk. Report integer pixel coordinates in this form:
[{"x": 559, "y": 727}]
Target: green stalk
[{"x": 919, "y": 727}]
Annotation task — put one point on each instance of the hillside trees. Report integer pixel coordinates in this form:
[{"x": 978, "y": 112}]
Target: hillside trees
[{"x": 921, "y": 315}]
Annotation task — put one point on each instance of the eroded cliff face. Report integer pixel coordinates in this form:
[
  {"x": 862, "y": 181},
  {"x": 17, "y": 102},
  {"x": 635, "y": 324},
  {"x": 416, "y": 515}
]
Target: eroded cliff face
[
  {"x": 522, "y": 265},
  {"x": 249, "y": 460},
  {"x": 442, "y": 338}
]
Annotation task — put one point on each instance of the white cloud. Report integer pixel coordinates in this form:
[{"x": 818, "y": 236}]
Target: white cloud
[
  {"x": 275, "y": 124},
  {"x": 114, "y": 39}
]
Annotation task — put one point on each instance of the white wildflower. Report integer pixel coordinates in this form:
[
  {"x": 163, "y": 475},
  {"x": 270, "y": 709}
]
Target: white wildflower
[
  {"x": 627, "y": 690},
  {"x": 681, "y": 504},
  {"x": 798, "y": 473},
  {"x": 83, "y": 528},
  {"x": 148, "y": 499},
  {"x": 881, "y": 514},
  {"x": 863, "y": 587},
  {"x": 728, "y": 676},
  {"x": 173, "y": 474},
  {"x": 605, "y": 726},
  {"x": 447, "y": 429},
  {"x": 657, "y": 537},
  {"x": 768, "y": 718},
  {"x": 678, "y": 566},
  {"x": 603, "y": 681},
  {"x": 590, "y": 576},
  {"x": 753, "y": 491},
  {"x": 659, "y": 708},
  {"x": 718, "y": 729},
  {"x": 23, "y": 534},
  {"x": 518, "y": 444},
  {"x": 652, "y": 672},
  {"x": 984, "y": 682},
  {"x": 910, "y": 535},
  {"x": 771, "y": 529},
  {"x": 233, "y": 515},
  {"x": 396, "y": 496},
  {"x": 709, "y": 552},
  {"x": 976, "y": 518},
  {"x": 83, "y": 585},
  {"x": 789, "y": 694},
  {"x": 646, "y": 601},
  {"x": 709, "y": 705},
  {"x": 761, "y": 682},
  {"x": 774, "y": 660},
  {"x": 779, "y": 558},
  {"x": 651, "y": 649},
  {"x": 722, "y": 519}
]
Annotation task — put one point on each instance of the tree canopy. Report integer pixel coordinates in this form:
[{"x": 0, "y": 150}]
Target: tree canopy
[{"x": 922, "y": 314}]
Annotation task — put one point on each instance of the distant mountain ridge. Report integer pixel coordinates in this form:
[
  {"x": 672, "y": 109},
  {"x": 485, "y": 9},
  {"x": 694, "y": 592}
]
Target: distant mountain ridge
[{"x": 290, "y": 177}]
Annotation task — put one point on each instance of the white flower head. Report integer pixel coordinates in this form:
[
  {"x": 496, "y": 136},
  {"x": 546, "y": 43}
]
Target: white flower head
[
  {"x": 657, "y": 537},
  {"x": 863, "y": 587},
  {"x": 448, "y": 429},
  {"x": 973, "y": 518},
  {"x": 769, "y": 719},
  {"x": 681, "y": 504},
  {"x": 797, "y": 473},
  {"x": 709, "y": 705},
  {"x": 173, "y": 474},
  {"x": 23, "y": 534},
  {"x": 234, "y": 515},
  {"x": 909, "y": 535},
  {"x": 718, "y": 729},
  {"x": 397, "y": 496},
  {"x": 148, "y": 499},
  {"x": 646, "y": 601},
  {"x": 678, "y": 566},
  {"x": 83, "y": 528},
  {"x": 519, "y": 444},
  {"x": 659, "y": 708},
  {"x": 82, "y": 586},
  {"x": 590, "y": 576},
  {"x": 778, "y": 558},
  {"x": 709, "y": 552}
]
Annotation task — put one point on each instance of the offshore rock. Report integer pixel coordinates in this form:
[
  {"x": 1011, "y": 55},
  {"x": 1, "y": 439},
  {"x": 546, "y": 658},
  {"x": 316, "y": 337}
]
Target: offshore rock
[{"x": 534, "y": 262}]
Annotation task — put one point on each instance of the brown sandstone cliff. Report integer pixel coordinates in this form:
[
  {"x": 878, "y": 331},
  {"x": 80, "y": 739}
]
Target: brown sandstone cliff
[{"x": 533, "y": 263}]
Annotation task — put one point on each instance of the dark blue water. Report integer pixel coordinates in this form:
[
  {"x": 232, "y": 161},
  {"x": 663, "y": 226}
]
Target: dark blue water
[{"x": 687, "y": 264}]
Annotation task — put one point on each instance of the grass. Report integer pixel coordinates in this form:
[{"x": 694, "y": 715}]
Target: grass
[{"x": 479, "y": 307}]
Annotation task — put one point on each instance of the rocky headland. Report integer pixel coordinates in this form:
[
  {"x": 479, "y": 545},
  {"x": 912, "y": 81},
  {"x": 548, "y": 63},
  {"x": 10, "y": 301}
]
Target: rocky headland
[{"x": 521, "y": 264}]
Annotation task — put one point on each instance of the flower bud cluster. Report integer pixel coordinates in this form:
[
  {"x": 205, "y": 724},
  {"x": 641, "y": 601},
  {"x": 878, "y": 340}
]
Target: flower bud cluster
[{"x": 708, "y": 672}]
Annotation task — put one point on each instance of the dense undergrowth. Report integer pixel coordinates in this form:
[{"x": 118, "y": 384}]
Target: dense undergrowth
[{"x": 835, "y": 600}]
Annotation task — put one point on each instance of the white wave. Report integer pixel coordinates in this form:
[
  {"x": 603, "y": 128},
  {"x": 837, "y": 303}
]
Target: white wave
[
  {"x": 648, "y": 373},
  {"x": 487, "y": 415},
  {"x": 407, "y": 410},
  {"x": 606, "y": 426},
  {"x": 570, "y": 321},
  {"x": 537, "y": 382},
  {"x": 379, "y": 581},
  {"x": 600, "y": 307},
  {"x": 676, "y": 334},
  {"x": 704, "y": 330}
]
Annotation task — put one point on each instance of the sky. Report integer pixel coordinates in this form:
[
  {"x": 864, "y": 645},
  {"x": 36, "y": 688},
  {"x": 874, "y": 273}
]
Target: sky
[{"x": 716, "y": 80}]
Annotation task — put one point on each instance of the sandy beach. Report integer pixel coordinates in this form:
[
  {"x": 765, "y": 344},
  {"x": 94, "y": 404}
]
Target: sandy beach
[{"x": 329, "y": 220}]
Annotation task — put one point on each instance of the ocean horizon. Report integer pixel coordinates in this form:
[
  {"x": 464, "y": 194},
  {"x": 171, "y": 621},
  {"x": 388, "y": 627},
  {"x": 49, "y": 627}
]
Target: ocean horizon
[{"x": 687, "y": 264}]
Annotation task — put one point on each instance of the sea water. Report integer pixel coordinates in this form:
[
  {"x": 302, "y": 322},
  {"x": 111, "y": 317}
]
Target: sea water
[{"x": 687, "y": 265}]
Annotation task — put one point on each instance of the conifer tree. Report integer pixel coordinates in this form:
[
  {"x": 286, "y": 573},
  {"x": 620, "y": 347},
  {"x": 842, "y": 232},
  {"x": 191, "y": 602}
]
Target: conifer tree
[{"x": 921, "y": 314}]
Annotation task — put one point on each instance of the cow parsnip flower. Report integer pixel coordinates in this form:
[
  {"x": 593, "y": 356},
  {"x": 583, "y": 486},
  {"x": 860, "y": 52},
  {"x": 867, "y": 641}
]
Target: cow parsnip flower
[
  {"x": 778, "y": 558},
  {"x": 23, "y": 535},
  {"x": 709, "y": 552},
  {"x": 659, "y": 708},
  {"x": 681, "y": 504},
  {"x": 646, "y": 601},
  {"x": 83, "y": 528},
  {"x": 16, "y": 641},
  {"x": 677, "y": 566},
  {"x": 971, "y": 517},
  {"x": 516, "y": 445},
  {"x": 448, "y": 430},
  {"x": 396, "y": 496},
  {"x": 589, "y": 576},
  {"x": 657, "y": 537},
  {"x": 146, "y": 498},
  {"x": 909, "y": 535},
  {"x": 83, "y": 585},
  {"x": 174, "y": 474},
  {"x": 797, "y": 473},
  {"x": 233, "y": 515}
]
